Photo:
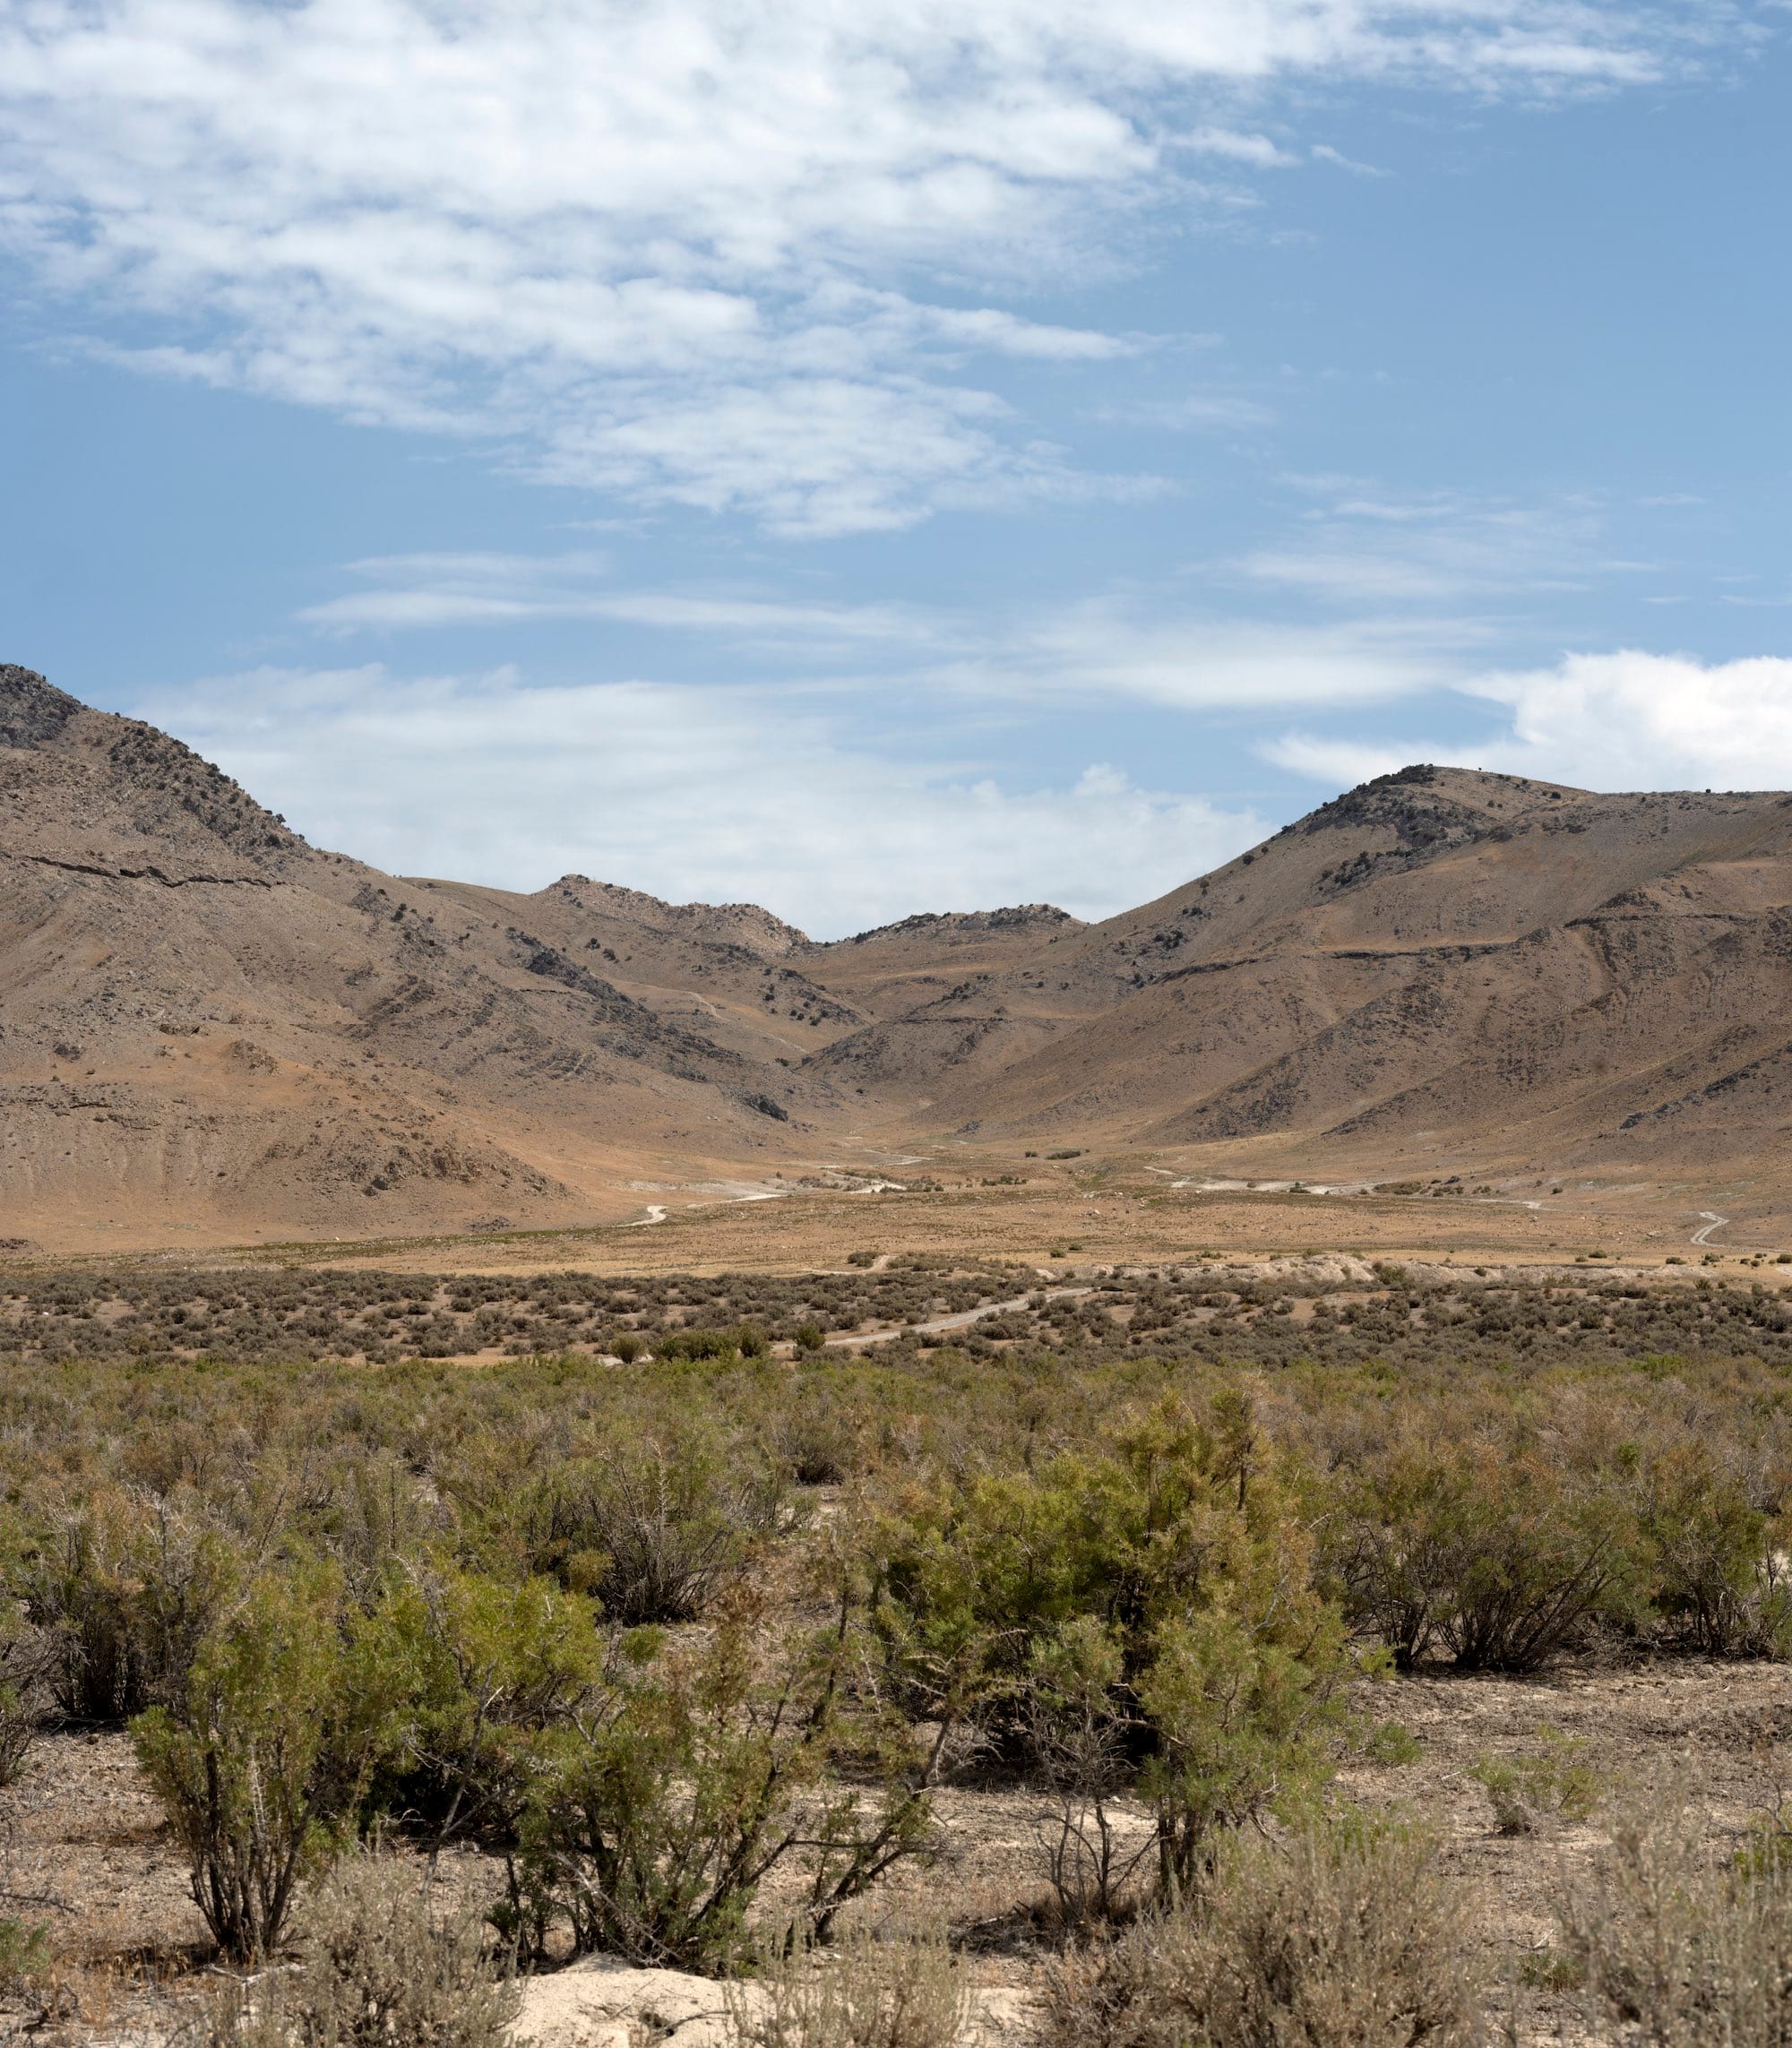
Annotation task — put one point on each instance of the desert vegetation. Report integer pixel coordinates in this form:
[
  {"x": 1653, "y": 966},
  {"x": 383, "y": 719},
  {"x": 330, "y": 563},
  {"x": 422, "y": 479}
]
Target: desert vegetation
[
  {"x": 1201, "y": 1310},
  {"x": 691, "y": 1643}
]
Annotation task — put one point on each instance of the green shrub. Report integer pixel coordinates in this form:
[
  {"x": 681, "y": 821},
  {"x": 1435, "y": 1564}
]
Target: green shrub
[
  {"x": 25, "y": 1954},
  {"x": 815, "y": 1436},
  {"x": 1390, "y": 1742},
  {"x": 1492, "y": 1552},
  {"x": 123, "y": 1587},
  {"x": 464, "y": 1673},
  {"x": 690, "y": 1344},
  {"x": 1344, "y": 1938},
  {"x": 655, "y": 1533},
  {"x": 258, "y": 1764},
  {"x": 700, "y": 1769},
  {"x": 1186, "y": 1546},
  {"x": 1079, "y": 1747},
  {"x": 1715, "y": 1564},
  {"x": 1548, "y": 1782}
]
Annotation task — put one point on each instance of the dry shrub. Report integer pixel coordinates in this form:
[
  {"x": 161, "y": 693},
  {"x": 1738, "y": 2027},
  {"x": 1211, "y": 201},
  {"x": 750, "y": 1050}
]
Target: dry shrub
[
  {"x": 18, "y": 1731},
  {"x": 909, "y": 1991},
  {"x": 1344, "y": 1937},
  {"x": 377, "y": 1971},
  {"x": 1675, "y": 1952}
]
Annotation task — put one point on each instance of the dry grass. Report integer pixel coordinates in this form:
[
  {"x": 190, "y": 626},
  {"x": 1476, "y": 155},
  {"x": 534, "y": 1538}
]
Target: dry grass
[
  {"x": 1676, "y": 1948},
  {"x": 378, "y": 1967},
  {"x": 1344, "y": 1937},
  {"x": 905, "y": 1991}
]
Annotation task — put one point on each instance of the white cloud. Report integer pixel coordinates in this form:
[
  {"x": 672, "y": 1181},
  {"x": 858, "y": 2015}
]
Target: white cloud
[
  {"x": 1257, "y": 151},
  {"x": 712, "y": 794},
  {"x": 1365, "y": 547},
  {"x": 1111, "y": 649},
  {"x": 1322, "y": 153},
  {"x": 1134, "y": 647},
  {"x": 438, "y": 590},
  {"x": 1342, "y": 763},
  {"x": 1197, "y": 412},
  {"x": 676, "y": 250},
  {"x": 1630, "y": 720},
  {"x": 1625, "y": 720},
  {"x": 816, "y": 455}
]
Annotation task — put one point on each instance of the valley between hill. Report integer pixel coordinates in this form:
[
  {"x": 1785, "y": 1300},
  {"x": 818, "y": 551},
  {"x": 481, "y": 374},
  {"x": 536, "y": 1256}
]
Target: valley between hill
[{"x": 1473, "y": 1011}]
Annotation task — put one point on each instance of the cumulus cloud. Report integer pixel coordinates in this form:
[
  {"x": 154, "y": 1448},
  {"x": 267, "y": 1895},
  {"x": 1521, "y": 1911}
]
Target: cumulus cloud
[
  {"x": 694, "y": 794},
  {"x": 681, "y": 252},
  {"x": 1624, "y": 720}
]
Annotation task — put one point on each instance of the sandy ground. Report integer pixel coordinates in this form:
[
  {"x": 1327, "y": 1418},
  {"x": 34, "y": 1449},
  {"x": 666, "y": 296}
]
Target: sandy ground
[
  {"x": 84, "y": 1852},
  {"x": 1125, "y": 1213}
]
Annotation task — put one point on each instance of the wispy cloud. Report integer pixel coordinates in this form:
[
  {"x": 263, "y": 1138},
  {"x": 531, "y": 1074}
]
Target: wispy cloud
[
  {"x": 410, "y": 591},
  {"x": 1196, "y": 412},
  {"x": 1139, "y": 646},
  {"x": 1323, "y": 154},
  {"x": 1257, "y": 151},
  {"x": 683, "y": 252},
  {"x": 1367, "y": 548}
]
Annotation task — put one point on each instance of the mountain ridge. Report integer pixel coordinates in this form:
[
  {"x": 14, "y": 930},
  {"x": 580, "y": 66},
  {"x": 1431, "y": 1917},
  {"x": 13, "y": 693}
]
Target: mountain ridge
[{"x": 209, "y": 1025}]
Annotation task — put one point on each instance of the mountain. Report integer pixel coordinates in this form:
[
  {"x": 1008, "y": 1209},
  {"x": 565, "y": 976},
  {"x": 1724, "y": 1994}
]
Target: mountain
[
  {"x": 208, "y": 1026},
  {"x": 1496, "y": 966}
]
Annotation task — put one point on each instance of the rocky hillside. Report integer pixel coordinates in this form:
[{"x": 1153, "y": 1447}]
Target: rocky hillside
[
  {"x": 208, "y": 1026},
  {"x": 1517, "y": 966}
]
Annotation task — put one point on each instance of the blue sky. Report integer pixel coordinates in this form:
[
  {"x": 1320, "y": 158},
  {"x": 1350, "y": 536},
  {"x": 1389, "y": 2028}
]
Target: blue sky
[{"x": 893, "y": 456}]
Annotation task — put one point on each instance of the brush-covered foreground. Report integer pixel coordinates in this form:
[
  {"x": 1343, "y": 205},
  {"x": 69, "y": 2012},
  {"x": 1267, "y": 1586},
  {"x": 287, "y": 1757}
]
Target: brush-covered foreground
[{"x": 1333, "y": 1655}]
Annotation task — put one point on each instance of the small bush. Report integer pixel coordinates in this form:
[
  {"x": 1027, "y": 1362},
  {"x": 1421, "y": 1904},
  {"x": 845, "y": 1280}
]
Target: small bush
[
  {"x": 24, "y": 1953},
  {"x": 375, "y": 1971},
  {"x": 1185, "y": 1547},
  {"x": 472, "y": 1670},
  {"x": 907, "y": 1993},
  {"x": 1345, "y": 1938},
  {"x": 653, "y": 1532},
  {"x": 1718, "y": 1579},
  {"x": 1080, "y": 1747},
  {"x": 245, "y": 1771},
  {"x": 124, "y": 1588},
  {"x": 816, "y": 1437},
  {"x": 1391, "y": 1743},
  {"x": 1550, "y": 1783},
  {"x": 1491, "y": 1550},
  {"x": 1675, "y": 1952},
  {"x": 701, "y": 1768}
]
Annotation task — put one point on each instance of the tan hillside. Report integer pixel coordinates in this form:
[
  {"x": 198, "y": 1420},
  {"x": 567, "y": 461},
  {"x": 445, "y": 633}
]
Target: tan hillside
[{"x": 209, "y": 1027}]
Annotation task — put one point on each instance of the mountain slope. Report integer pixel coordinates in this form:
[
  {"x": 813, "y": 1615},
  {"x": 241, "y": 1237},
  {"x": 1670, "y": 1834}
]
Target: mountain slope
[
  {"x": 1441, "y": 950},
  {"x": 209, "y": 1020},
  {"x": 207, "y": 1025}
]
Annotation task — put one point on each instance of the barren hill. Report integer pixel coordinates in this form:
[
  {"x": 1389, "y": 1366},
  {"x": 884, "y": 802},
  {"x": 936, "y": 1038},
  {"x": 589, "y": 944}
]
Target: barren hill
[
  {"x": 1506, "y": 963},
  {"x": 207, "y": 1025}
]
